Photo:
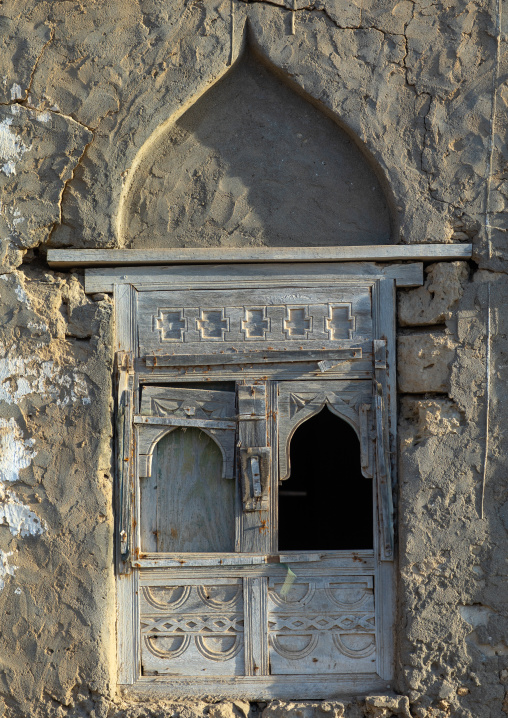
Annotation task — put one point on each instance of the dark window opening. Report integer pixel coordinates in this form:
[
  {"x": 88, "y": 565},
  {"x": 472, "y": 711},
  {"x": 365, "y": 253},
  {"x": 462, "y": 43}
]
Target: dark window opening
[{"x": 326, "y": 503}]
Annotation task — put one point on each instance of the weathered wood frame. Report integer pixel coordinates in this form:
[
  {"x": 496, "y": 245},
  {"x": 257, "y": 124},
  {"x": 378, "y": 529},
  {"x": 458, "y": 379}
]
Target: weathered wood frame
[{"x": 264, "y": 554}]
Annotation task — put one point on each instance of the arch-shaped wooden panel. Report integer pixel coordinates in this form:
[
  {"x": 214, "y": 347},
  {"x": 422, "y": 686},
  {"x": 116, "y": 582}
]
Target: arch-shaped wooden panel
[
  {"x": 186, "y": 503},
  {"x": 299, "y": 402}
]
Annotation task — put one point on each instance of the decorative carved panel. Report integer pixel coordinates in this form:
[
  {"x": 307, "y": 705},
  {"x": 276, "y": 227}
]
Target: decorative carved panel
[
  {"x": 192, "y": 630},
  {"x": 322, "y": 625},
  {"x": 241, "y": 320}
]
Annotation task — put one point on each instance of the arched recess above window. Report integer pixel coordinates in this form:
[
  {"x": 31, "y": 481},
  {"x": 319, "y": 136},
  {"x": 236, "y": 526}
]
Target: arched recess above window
[
  {"x": 326, "y": 503},
  {"x": 231, "y": 171},
  {"x": 186, "y": 505}
]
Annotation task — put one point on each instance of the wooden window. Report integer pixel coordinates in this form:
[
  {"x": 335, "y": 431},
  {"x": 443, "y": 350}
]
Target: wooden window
[{"x": 255, "y": 454}]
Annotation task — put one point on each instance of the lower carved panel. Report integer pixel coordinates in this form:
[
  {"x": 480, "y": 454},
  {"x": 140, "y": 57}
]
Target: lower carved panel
[
  {"x": 322, "y": 625},
  {"x": 192, "y": 630}
]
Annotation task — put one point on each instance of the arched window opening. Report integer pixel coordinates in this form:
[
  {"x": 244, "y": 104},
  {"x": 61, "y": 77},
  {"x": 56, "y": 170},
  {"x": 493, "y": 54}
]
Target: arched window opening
[
  {"x": 326, "y": 503},
  {"x": 186, "y": 505}
]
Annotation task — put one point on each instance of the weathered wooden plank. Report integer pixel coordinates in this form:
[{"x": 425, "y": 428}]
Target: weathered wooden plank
[
  {"x": 236, "y": 559},
  {"x": 291, "y": 687},
  {"x": 195, "y": 505},
  {"x": 177, "y": 421},
  {"x": 256, "y": 626},
  {"x": 252, "y": 432},
  {"x": 244, "y": 275},
  {"x": 320, "y": 625},
  {"x": 385, "y": 616},
  {"x": 67, "y": 258},
  {"x": 319, "y": 564},
  {"x": 259, "y": 357},
  {"x": 127, "y": 621},
  {"x": 124, "y": 459}
]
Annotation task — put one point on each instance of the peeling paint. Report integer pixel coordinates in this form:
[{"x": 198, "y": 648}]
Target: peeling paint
[
  {"x": 16, "y": 453},
  {"x": 11, "y": 147},
  {"x": 20, "y": 519},
  {"x": 16, "y": 92},
  {"x": 20, "y": 377},
  {"x": 5, "y": 568}
]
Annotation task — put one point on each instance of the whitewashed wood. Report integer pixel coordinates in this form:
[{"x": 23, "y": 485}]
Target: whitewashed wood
[
  {"x": 238, "y": 559},
  {"x": 195, "y": 505},
  {"x": 149, "y": 434},
  {"x": 177, "y": 421},
  {"x": 193, "y": 629},
  {"x": 366, "y": 441},
  {"x": 322, "y": 564},
  {"x": 245, "y": 275},
  {"x": 297, "y": 687},
  {"x": 253, "y": 432},
  {"x": 251, "y": 373},
  {"x": 240, "y": 320},
  {"x": 127, "y": 624},
  {"x": 148, "y": 506},
  {"x": 124, "y": 303},
  {"x": 385, "y": 615},
  {"x": 322, "y": 625},
  {"x": 256, "y": 626},
  {"x": 334, "y": 356},
  {"x": 66, "y": 258},
  {"x": 126, "y": 601}
]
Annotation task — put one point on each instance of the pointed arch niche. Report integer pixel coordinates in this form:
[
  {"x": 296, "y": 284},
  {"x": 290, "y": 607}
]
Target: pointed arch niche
[{"x": 253, "y": 164}]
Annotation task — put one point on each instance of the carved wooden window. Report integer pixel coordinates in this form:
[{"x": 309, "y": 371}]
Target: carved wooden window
[{"x": 223, "y": 381}]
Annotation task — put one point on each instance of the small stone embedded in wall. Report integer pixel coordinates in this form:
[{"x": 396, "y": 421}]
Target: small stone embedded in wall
[
  {"x": 424, "y": 360},
  {"x": 433, "y": 303}
]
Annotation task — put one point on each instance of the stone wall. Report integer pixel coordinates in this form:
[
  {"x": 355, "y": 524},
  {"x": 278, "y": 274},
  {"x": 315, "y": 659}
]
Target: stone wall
[{"x": 86, "y": 93}]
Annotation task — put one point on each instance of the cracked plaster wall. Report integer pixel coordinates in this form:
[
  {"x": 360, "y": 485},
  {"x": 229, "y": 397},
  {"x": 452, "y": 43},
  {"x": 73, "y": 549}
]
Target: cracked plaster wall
[{"x": 84, "y": 90}]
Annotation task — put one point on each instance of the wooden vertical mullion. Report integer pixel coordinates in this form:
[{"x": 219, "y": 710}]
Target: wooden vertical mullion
[
  {"x": 127, "y": 618},
  {"x": 273, "y": 414},
  {"x": 384, "y": 308},
  {"x": 252, "y": 432},
  {"x": 255, "y": 596}
]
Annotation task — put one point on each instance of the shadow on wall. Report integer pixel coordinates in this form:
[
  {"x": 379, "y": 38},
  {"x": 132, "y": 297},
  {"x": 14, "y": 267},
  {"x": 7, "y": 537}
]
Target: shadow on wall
[{"x": 252, "y": 163}]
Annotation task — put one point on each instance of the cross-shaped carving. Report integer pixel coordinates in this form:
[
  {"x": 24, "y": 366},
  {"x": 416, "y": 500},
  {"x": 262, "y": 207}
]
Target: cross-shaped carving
[
  {"x": 340, "y": 323},
  {"x": 255, "y": 324},
  {"x": 297, "y": 324},
  {"x": 212, "y": 324},
  {"x": 171, "y": 324}
]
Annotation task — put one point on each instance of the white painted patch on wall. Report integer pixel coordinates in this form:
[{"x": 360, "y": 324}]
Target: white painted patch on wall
[
  {"x": 16, "y": 453},
  {"x": 20, "y": 377},
  {"x": 43, "y": 117},
  {"x": 475, "y": 615},
  {"x": 16, "y": 92},
  {"x": 20, "y": 519},
  {"x": 12, "y": 148},
  {"x": 5, "y": 568}
]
